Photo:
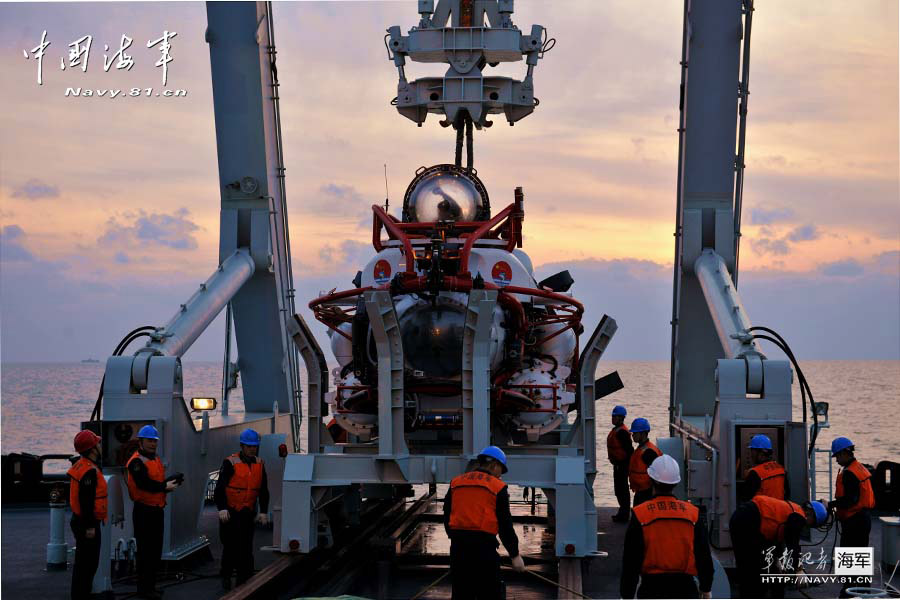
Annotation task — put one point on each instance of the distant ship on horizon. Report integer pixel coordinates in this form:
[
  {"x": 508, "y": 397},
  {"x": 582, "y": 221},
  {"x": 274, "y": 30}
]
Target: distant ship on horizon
[{"x": 89, "y": 360}]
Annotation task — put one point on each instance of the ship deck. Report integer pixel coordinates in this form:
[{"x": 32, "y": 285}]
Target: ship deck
[{"x": 424, "y": 558}]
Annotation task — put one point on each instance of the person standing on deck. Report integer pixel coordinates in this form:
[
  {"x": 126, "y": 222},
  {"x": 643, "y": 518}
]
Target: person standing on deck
[
  {"x": 761, "y": 530},
  {"x": 766, "y": 477},
  {"x": 476, "y": 509},
  {"x": 87, "y": 497},
  {"x": 619, "y": 451},
  {"x": 148, "y": 486},
  {"x": 242, "y": 481},
  {"x": 665, "y": 544},
  {"x": 644, "y": 455},
  {"x": 853, "y": 498}
]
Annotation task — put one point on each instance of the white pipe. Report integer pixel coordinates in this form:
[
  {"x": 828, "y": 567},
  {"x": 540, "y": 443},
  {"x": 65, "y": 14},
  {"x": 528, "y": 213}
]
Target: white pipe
[
  {"x": 57, "y": 549},
  {"x": 198, "y": 312},
  {"x": 725, "y": 306}
]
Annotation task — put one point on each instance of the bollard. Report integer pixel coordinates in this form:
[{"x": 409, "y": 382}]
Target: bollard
[{"x": 57, "y": 549}]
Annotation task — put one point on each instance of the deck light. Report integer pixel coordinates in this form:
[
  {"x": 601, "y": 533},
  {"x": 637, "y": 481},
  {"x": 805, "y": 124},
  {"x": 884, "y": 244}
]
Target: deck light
[{"x": 198, "y": 404}]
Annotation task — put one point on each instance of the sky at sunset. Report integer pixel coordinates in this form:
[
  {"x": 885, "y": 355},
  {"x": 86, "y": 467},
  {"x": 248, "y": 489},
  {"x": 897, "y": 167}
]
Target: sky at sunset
[{"x": 109, "y": 207}]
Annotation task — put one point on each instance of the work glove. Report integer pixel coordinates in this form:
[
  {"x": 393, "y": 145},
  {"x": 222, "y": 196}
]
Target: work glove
[
  {"x": 171, "y": 486},
  {"x": 224, "y": 516},
  {"x": 518, "y": 563},
  {"x": 262, "y": 519},
  {"x": 706, "y": 595}
]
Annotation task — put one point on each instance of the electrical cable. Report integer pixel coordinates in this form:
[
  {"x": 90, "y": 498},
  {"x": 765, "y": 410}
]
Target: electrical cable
[
  {"x": 120, "y": 348},
  {"x": 804, "y": 384}
]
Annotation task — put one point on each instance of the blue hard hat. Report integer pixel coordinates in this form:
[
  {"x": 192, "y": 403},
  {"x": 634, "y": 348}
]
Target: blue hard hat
[
  {"x": 640, "y": 424},
  {"x": 249, "y": 437},
  {"x": 839, "y": 444},
  {"x": 148, "y": 432},
  {"x": 760, "y": 442},
  {"x": 495, "y": 453},
  {"x": 820, "y": 510},
  {"x": 619, "y": 411}
]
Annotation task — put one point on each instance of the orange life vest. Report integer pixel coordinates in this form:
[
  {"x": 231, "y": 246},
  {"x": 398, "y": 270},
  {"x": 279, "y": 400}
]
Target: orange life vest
[
  {"x": 614, "y": 449},
  {"x": 668, "y": 527},
  {"x": 156, "y": 471},
  {"x": 771, "y": 477},
  {"x": 474, "y": 502},
  {"x": 773, "y": 514},
  {"x": 637, "y": 469},
  {"x": 245, "y": 483},
  {"x": 77, "y": 472},
  {"x": 866, "y": 493}
]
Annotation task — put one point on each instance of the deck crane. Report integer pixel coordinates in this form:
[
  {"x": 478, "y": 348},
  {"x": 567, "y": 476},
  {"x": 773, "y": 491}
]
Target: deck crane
[{"x": 724, "y": 389}]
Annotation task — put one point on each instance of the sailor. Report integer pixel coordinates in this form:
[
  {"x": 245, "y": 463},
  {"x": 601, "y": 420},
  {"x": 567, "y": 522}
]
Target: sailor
[
  {"x": 242, "y": 481},
  {"x": 643, "y": 456},
  {"x": 765, "y": 535},
  {"x": 666, "y": 543},
  {"x": 619, "y": 450},
  {"x": 87, "y": 497},
  {"x": 476, "y": 509},
  {"x": 853, "y": 497},
  {"x": 766, "y": 477},
  {"x": 148, "y": 486}
]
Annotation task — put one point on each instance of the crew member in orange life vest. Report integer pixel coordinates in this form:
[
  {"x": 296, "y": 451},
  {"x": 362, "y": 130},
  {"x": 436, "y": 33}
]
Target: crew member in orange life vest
[
  {"x": 644, "y": 455},
  {"x": 665, "y": 543},
  {"x": 619, "y": 450},
  {"x": 242, "y": 481},
  {"x": 476, "y": 509},
  {"x": 87, "y": 497},
  {"x": 767, "y": 477},
  {"x": 148, "y": 486},
  {"x": 853, "y": 497},
  {"x": 766, "y": 526}
]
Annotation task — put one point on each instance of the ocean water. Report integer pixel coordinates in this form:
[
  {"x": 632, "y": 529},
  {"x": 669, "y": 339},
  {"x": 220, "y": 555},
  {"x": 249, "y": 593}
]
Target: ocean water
[{"x": 41, "y": 405}]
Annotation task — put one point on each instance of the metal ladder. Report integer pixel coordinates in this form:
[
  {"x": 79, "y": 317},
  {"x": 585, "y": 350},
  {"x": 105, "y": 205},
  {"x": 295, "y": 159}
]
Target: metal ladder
[{"x": 814, "y": 483}]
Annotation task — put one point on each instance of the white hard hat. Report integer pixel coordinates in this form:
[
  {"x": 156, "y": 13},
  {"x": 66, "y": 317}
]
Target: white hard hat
[{"x": 664, "y": 470}]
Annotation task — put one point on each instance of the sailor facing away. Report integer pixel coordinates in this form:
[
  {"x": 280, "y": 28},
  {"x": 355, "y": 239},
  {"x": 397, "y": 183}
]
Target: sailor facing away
[
  {"x": 476, "y": 510},
  {"x": 665, "y": 544}
]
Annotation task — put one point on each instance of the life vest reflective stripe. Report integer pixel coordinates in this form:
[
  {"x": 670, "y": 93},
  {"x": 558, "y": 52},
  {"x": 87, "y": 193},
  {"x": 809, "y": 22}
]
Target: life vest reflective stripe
[
  {"x": 77, "y": 473},
  {"x": 668, "y": 527},
  {"x": 156, "y": 472},
  {"x": 245, "y": 483},
  {"x": 866, "y": 493},
  {"x": 474, "y": 502},
  {"x": 773, "y": 514},
  {"x": 637, "y": 469},
  {"x": 613, "y": 447},
  {"x": 771, "y": 477}
]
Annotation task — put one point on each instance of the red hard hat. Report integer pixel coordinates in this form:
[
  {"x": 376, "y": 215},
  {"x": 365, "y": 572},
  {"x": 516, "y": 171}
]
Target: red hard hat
[{"x": 85, "y": 440}]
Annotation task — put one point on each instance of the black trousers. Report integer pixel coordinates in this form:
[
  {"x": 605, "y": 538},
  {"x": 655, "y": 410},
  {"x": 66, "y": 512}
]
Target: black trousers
[
  {"x": 668, "y": 586},
  {"x": 620, "y": 485},
  {"x": 87, "y": 558},
  {"x": 475, "y": 570},
  {"x": 237, "y": 544},
  {"x": 148, "y": 532},
  {"x": 855, "y": 533},
  {"x": 750, "y": 550},
  {"x": 642, "y": 496}
]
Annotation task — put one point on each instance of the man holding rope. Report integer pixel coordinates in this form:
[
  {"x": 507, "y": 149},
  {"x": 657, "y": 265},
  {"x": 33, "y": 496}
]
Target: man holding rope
[{"x": 476, "y": 510}]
